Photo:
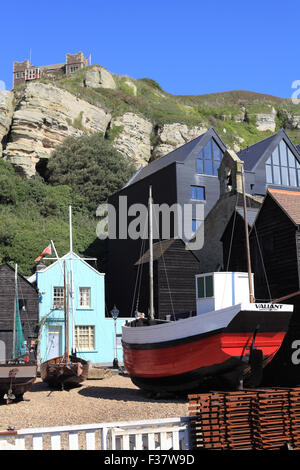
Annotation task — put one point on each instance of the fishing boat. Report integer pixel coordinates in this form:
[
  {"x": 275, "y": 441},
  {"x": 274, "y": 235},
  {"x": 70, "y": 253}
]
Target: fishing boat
[
  {"x": 18, "y": 373},
  {"x": 225, "y": 346},
  {"x": 67, "y": 370}
]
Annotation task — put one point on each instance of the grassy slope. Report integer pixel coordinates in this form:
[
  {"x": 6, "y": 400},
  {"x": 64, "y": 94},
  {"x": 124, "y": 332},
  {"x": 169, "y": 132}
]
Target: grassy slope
[{"x": 217, "y": 109}]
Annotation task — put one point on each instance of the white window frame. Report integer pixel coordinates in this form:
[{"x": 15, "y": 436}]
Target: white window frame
[
  {"x": 83, "y": 306},
  {"x": 58, "y": 300},
  {"x": 89, "y": 337}
]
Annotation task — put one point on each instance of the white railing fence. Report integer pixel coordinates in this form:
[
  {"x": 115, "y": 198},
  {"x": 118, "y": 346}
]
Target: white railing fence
[{"x": 162, "y": 434}]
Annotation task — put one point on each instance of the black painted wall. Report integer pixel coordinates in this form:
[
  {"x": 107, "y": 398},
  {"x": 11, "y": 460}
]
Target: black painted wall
[{"x": 29, "y": 318}]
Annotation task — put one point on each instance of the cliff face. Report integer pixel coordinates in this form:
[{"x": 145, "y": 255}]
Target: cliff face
[
  {"x": 142, "y": 120},
  {"x": 6, "y": 114},
  {"x": 43, "y": 118}
]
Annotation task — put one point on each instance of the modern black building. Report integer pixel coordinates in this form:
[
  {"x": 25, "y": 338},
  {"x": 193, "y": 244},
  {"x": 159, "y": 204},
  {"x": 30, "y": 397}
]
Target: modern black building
[
  {"x": 188, "y": 175},
  {"x": 270, "y": 163}
]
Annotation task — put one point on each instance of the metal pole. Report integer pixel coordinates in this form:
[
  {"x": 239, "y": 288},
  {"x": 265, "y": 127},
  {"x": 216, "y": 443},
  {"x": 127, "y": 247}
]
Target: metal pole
[
  {"x": 151, "y": 254},
  {"x": 66, "y": 318},
  {"x": 251, "y": 292},
  {"x": 115, "y": 364},
  {"x": 61, "y": 268}
]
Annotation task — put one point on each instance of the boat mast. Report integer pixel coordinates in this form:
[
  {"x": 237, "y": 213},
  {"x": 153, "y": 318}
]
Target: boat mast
[
  {"x": 151, "y": 253},
  {"x": 15, "y": 313},
  {"x": 247, "y": 239},
  {"x": 66, "y": 355},
  {"x": 72, "y": 279}
]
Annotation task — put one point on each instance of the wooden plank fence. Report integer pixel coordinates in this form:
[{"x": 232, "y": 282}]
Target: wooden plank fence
[{"x": 162, "y": 434}]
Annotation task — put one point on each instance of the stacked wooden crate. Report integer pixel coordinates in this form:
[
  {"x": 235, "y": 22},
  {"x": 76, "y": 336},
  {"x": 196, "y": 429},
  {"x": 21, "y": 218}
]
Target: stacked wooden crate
[
  {"x": 294, "y": 412},
  {"x": 248, "y": 419},
  {"x": 239, "y": 432},
  {"x": 270, "y": 419},
  {"x": 208, "y": 432}
]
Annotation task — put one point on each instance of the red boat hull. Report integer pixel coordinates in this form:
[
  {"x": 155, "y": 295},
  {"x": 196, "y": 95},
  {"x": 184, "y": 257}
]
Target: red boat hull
[
  {"x": 185, "y": 364},
  {"x": 208, "y": 352}
]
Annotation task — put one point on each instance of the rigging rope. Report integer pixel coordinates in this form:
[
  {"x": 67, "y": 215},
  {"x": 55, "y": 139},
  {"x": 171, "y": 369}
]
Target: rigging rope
[
  {"x": 232, "y": 232},
  {"x": 138, "y": 275},
  {"x": 169, "y": 290},
  {"x": 262, "y": 262}
]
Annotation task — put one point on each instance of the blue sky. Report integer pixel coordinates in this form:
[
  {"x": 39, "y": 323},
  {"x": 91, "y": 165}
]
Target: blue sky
[{"x": 189, "y": 47}]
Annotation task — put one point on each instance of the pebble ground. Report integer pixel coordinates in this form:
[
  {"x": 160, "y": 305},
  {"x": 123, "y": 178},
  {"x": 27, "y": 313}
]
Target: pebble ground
[{"x": 111, "y": 399}]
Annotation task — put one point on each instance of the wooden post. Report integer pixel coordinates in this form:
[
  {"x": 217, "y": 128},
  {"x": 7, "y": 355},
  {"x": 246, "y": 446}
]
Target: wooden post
[
  {"x": 247, "y": 239},
  {"x": 151, "y": 254}
]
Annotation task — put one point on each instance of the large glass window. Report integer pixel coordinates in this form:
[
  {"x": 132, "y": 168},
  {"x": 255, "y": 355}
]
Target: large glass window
[
  {"x": 282, "y": 167},
  {"x": 198, "y": 192},
  {"x": 209, "y": 159},
  {"x": 196, "y": 224}
]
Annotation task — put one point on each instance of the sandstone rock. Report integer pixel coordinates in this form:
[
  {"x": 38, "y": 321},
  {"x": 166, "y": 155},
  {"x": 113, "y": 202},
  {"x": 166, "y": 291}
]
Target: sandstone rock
[
  {"x": 266, "y": 121},
  {"x": 295, "y": 122},
  {"x": 240, "y": 117},
  {"x": 6, "y": 113},
  {"x": 99, "y": 77},
  {"x": 45, "y": 116},
  {"x": 133, "y": 139},
  {"x": 172, "y": 136}
]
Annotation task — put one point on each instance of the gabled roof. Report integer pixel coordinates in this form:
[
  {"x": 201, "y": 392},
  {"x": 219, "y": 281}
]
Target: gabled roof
[
  {"x": 251, "y": 217},
  {"x": 7, "y": 266},
  {"x": 159, "y": 249},
  {"x": 289, "y": 201},
  {"x": 178, "y": 155},
  {"x": 251, "y": 214},
  {"x": 253, "y": 154},
  {"x": 65, "y": 257}
]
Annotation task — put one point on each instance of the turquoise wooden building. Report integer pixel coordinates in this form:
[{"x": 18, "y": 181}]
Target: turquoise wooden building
[{"x": 92, "y": 332}]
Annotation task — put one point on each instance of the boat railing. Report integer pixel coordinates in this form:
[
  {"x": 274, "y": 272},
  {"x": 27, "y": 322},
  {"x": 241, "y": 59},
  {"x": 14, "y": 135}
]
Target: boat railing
[{"x": 160, "y": 434}]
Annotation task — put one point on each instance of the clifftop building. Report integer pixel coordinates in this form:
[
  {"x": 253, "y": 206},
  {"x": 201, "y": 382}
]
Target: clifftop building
[{"x": 25, "y": 71}]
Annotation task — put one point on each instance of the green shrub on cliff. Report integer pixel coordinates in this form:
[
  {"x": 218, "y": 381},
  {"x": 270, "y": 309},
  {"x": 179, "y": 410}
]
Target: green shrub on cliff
[{"x": 91, "y": 166}]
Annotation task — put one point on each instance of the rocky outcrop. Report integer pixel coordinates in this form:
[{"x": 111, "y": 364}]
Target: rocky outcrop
[
  {"x": 36, "y": 119},
  {"x": 99, "y": 77},
  {"x": 133, "y": 137},
  {"x": 45, "y": 116},
  {"x": 6, "y": 113},
  {"x": 172, "y": 136},
  {"x": 266, "y": 121}
]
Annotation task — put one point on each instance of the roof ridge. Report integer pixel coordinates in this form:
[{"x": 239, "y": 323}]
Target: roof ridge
[
  {"x": 259, "y": 142},
  {"x": 284, "y": 191}
]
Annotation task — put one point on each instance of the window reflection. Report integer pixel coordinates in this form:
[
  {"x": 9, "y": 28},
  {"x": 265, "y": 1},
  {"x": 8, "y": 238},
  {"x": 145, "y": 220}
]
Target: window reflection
[
  {"x": 281, "y": 167},
  {"x": 209, "y": 159}
]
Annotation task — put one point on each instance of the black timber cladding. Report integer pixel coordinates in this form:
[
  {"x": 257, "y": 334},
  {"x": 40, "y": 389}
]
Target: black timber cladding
[
  {"x": 28, "y": 295},
  {"x": 174, "y": 279},
  {"x": 234, "y": 240},
  {"x": 275, "y": 260}
]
